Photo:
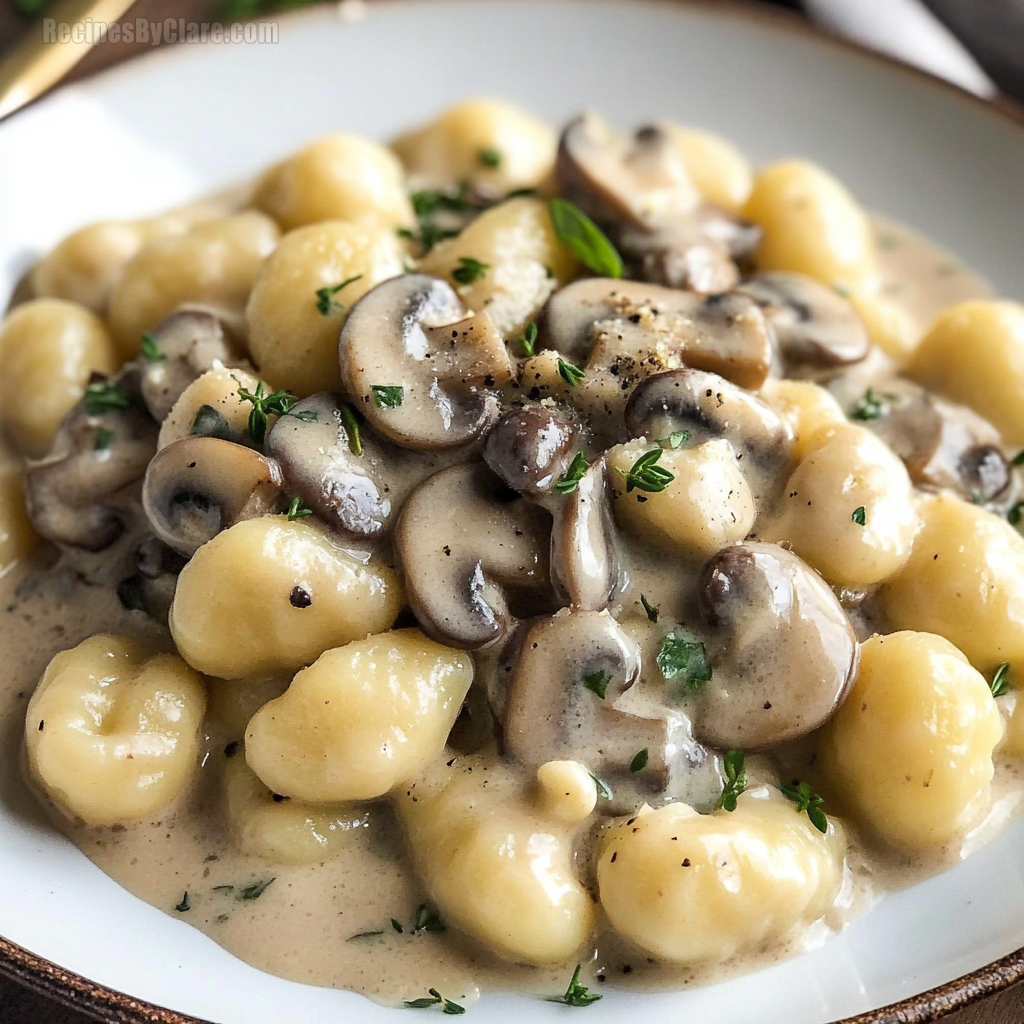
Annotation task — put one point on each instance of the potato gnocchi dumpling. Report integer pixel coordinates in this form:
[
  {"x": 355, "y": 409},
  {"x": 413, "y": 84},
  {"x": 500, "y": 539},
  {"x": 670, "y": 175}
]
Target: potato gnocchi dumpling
[
  {"x": 48, "y": 350},
  {"x": 965, "y": 581},
  {"x": 722, "y": 174},
  {"x": 338, "y": 177},
  {"x": 700, "y": 888},
  {"x": 495, "y": 869},
  {"x": 215, "y": 263},
  {"x": 17, "y": 538},
  {"x": 284, "y": 830},
  {"x": 297, "y": 307},
  {"x": 112, "y": 730},
  {"x": 805, "y": 406},
  {"x": 269, "y": 595},
  {"x": 524, "y": 262},
  {"x": 361, "y": 719},
  {"x": 910, "y": 750}
]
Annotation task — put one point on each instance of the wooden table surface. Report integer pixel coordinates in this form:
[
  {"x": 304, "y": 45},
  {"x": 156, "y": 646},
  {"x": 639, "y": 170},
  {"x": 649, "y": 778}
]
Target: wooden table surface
[{"x": 19, "y": 1005}]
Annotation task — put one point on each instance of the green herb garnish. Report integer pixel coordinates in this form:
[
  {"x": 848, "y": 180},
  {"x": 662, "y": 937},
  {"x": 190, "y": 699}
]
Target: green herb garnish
[
  {"x": 1018, "y": 459},
  {"x": 800, "y": 793},
  {"x": 735, "y": 780},
  {"x": 571, "y": 374},
  {"x": 296, "y": 511},
  {"x": 651, "y": 609},
  {"x": 184, "y": 905},
  {"x": 325, "y": 302},
  {"x": 1015, "y": 513},
  {"x": 254, "y": 891},
  {"x": 674, "y": 440},
  {"x": 577, "y": 994},
  {"x": 868, "y": 408},
  {"x": 646, "y": 475},
  {"x": 469, "y": 270},
  {"x": 103, "y": 438},
  {"x": 569, "y": 481},
  {"x": 639, "y": 762},
  {"x": 103, "y": 396},
  {"x": 305, "y": 415},
  {"x": 683, "y": 657},
  {"x": 428, "y": 919},
  {"x": 1001, "y": 680},
  {"x": 210, "y": 423},
  {"x": 597, "y": 682},
  {"x": 604, "y": 791},
  {"x": 387, "y": 396},
  {"x": 529, "y": 338},
  {"x": 435, "y": 998},
  {"x": 263, "y": 406},
  {"x": 489, "y": 156},
  {"x": 860, "y": 516},
  {"x": 578, "y": 233},
  {"x": 151, "y": 350},
  {"x": 363, "y": 935},
  {"x": 350, "y": 421},
  {"x": 396, "y": 926}
]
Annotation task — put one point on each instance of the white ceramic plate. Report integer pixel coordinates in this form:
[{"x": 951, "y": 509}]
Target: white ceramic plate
[{"x": 188, "y": 120}]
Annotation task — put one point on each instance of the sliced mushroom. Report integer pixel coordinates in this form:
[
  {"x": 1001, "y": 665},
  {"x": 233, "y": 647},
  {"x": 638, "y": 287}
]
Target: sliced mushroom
[
  {"x": 585, "y": 563},
  {"x": 781, "y": 647},
  {"x": 151, "y": 589},
  {"x": 314, "y": 449},
  {"x": 467, "y": 545},
  {"x": 191, "y": 341},
  {"x": 817, "y": 330},
  {"x": 617, "y": 324},
  {"x": 72, "y": 494},
  {"x": 197, "y": 487},
  {"x": 706, "y": 406},
  {"x": 944, "y": 445},
  {"x": 639, "y": 190},
  {"x": 411, "y": 334}
]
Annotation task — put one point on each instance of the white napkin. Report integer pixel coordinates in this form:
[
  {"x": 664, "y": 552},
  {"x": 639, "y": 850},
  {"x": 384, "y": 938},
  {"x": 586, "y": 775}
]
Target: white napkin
[{"x": 906, "y": 30}]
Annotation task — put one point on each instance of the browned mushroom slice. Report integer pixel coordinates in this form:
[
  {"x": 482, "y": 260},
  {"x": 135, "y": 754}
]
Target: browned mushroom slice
[
  {"x": 608, "y": 322},
  {"x": 72, "y": 494},
  {"x": 585, "y": 563},
  {"x": 151, "y": 589},
  {"x": 422, "y": 372},
  {"x": 706, "y": 406},
  {"x": 187, "y": 344},
  {"x": 197, "y": 487},
  {"x": 945, "y": 445},
  {"x": 817, "y": 330},
  {"x": 639, "y": 190},
  {"x": 345, "y": 488},
  {"x": 781, "y": 647},
  {"x": 466, "y": 544}
]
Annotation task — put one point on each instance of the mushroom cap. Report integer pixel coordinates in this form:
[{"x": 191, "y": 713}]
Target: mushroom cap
[
  {"x": 531, "y": 447},
  {"x": 313, "y": 448},
  {"x": 463, "y": 540},
  {"x": 411, "y": 332},
  {"x": 781, "y": 647},
  {"x": 603, "y": 320},
  {"x": 196, "y": 487},
  {"x": 817, "y": 330},
  {"x": 191, "y": 340}
]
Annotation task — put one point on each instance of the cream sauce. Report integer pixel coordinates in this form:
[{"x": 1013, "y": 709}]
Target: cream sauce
[{"x": 330, "y": 923}]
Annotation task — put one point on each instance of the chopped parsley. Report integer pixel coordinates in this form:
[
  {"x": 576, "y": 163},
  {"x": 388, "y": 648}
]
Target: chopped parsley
[
  {"x": 184, "y": 905},
  {"x": 325, "y": 301},
  {"x": 860, "y": 516},
  {"x": 254, "y": 891},
  {"x": 305, "y": 415},
  {"x": 639, "y": 762},
  {"x": 569, "y": 481},
  {"x": 151, "y": 350},
  {"x": 675, "y": 440},
  {"x": 427, "y": 920},
  {"x": 103, "y": 438},
  {"x": 426, "y": 205},
  {"x": 296, "y": 511},
  {"x": 571, "y": 374},
  {"x": 646, "y": 475},
  {"x": 735, "y": 780},
  {"x": 1001, "y": 680},
  {"x": 433, "y": 999},
  {"x": 469, "y": 270},
  {"x": 103, "y": 396},
  {"x": 529, "y": 339},
  {"x": 577, "y": 994},
  {"x": 578, "y": 233},
  {"x": 868, "y": 408},
  {"x": 651, "y": 609},
  {"x": 604, "y": 791},
  {"x": 264, "y": 406},
  {"x": 489, "y": 156},
  {"x": 684, "y": 658},
  {"x": 350, "y": 421},
  {"x": 800, "y": 793},
  {"x": 597, "y": 682},
  {"x": 387, "y": 396}
]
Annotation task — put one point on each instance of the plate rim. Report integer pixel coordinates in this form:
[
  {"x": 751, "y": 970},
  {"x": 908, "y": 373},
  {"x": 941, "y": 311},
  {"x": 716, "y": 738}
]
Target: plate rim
[{"x": 103, "y": 1002}]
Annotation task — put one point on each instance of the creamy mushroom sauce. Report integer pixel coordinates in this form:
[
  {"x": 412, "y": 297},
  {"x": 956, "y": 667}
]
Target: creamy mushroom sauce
[{"x": 335, "y": 923}]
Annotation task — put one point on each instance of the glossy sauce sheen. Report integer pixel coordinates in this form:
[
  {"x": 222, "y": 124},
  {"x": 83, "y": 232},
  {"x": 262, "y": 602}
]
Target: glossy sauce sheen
[{"x": 332, "y": 924}]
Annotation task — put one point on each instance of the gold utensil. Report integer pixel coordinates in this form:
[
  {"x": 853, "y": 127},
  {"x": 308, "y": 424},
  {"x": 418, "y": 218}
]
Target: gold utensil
[{"x": 41, "y": 59}]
